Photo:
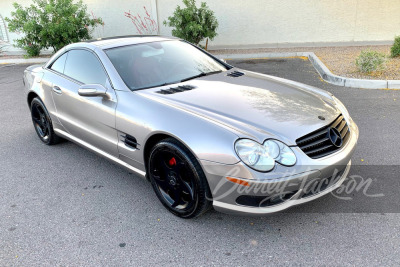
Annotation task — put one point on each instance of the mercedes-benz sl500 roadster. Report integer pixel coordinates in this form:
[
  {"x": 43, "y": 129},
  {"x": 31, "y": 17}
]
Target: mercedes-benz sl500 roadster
[{"x": 204, "y": 133}]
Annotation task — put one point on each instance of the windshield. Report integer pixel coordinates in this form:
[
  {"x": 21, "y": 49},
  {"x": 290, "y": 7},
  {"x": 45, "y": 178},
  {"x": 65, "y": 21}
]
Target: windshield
[{"x": 160, "y": 63}]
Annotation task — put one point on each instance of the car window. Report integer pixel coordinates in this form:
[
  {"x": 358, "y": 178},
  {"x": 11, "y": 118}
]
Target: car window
[
  {"x": 157, "y": 63},
  {"x": 85, "y": 67},
  {"x": 59, "y": 64}
]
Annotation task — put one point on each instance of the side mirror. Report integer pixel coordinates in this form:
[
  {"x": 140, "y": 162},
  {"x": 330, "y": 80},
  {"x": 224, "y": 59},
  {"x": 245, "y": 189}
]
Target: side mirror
[{"x": 91, "y": 90}]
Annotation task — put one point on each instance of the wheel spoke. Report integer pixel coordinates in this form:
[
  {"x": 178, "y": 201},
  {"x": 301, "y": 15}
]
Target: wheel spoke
[
  {"x": 39, "y": 122},
  {"x": 45, "y": 125},
  {"x": 186, "y": 188},
  {"x": 165, "y": 168},
  {"x": 178, "y": 167},
  {"x": 41, "y": 112},
  {"x": 177, "y": 198},
  {"x": 167, "y": 196},
  {"x": 163, "y": 183}
]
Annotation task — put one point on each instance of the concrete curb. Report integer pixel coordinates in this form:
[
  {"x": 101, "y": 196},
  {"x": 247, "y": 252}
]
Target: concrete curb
[
  {"x": 23, "y": 60},
  {"x": 322, "y": 70}
]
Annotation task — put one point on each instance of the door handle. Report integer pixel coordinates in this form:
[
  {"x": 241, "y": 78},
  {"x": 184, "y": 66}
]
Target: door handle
[{"x": 57, "y": 90}]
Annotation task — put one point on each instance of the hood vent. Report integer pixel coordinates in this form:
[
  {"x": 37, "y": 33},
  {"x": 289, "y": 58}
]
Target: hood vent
[
  {"x": 235, "y": 74},
  {"x": 173, "y": 90}
]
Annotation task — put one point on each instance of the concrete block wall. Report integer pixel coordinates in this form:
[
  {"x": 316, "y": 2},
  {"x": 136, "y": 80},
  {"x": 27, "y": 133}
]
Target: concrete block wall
[{"x": 262, "y": 23}]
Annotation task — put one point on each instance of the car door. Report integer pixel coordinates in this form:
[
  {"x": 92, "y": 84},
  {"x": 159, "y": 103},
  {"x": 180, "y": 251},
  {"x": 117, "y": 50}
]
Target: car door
[{"x": 90, "y": 119}]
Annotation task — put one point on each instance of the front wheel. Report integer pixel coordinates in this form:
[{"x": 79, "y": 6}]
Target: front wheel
[{"x": 178, "y": 180}]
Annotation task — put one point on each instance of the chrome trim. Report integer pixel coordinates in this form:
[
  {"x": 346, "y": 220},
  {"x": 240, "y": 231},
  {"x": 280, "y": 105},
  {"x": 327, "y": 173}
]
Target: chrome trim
[
  {"x": 291, "y": 202},
  {"x": 100, "y": 152}
]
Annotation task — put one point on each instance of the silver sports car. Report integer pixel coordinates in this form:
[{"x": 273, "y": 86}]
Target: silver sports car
[{"x": 203, "y": 132}]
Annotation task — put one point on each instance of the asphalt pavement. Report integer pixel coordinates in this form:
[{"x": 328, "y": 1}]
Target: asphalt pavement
[{"x": 66, "y": 206}]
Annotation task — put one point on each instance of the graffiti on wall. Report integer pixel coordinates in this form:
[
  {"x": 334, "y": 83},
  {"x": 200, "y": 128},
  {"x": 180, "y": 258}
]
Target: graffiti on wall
[{"x": 145, "y": 24}]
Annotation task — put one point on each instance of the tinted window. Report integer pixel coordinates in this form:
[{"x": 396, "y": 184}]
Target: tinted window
[
  {"x": 85, "y": 67},
  {"x": 59, "y": 64},
  {"x": 153, "y": 64}
]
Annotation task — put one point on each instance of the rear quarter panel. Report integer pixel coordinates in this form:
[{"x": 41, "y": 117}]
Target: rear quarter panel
[{"x": 38, "y": 83}]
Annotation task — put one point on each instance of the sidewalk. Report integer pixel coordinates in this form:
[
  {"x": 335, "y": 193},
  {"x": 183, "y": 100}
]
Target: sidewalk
[{"x": 21, "y": 60}]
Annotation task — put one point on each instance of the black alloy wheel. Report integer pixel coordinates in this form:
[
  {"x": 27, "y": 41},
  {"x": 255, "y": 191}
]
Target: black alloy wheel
[
  {"x": 42, "y": 123},
  {"x": 178, "y": 179}
]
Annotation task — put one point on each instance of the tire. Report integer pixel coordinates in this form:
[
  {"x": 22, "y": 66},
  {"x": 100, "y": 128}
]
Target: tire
[
  {"x": 42, "y": 123},
  {"x": 178, "y": 180}
]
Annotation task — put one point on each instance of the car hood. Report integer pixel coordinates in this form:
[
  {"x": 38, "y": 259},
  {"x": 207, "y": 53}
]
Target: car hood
[{"x": 253, "y": 105}]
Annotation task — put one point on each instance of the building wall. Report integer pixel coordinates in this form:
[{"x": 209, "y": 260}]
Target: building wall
[
  {"x": 261, "y": 22},
  {"x": 276, "y": 22},
  {"x": 111, "y": 11}
]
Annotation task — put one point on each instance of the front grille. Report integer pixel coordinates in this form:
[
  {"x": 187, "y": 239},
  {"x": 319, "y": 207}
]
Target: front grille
[{"x": 318, "y": 144}]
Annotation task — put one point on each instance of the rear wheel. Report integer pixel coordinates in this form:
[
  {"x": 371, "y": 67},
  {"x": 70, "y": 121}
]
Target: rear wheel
[
  {"x": 178, "y": 180},
  {"x": 42, "y": 123}
]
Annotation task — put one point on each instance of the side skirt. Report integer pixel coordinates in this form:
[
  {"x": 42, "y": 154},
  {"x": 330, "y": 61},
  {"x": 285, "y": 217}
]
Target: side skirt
[{"x": 98, "y": 151}]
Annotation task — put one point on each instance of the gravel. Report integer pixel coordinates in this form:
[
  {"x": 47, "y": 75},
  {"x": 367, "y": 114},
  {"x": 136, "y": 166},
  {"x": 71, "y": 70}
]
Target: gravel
[{"x": 339, "y": 60}]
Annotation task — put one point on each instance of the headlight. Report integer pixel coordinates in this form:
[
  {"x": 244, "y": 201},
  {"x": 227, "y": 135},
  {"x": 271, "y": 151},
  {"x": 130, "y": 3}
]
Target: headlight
[
  {"x": 342, "y": 108},
  {"x": 263, "y": 157},
  {"x": 280, "y": 152}
]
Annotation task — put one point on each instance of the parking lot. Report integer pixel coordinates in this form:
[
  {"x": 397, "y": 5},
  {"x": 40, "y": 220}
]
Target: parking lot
[{"x": 65, "y": 206}]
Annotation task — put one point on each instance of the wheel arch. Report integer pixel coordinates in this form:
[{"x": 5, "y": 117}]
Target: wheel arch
[{"x": 31, "y": 96}]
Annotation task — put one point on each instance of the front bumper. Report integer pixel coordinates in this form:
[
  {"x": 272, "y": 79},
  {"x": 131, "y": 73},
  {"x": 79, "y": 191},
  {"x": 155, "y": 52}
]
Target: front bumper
[
  {"x": 296, "y": 199},
  {"x": 292, "y": 181}
]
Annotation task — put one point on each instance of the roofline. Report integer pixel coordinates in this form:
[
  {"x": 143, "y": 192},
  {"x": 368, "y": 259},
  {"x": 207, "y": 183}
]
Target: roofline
[{"x": 129, "y": 36}]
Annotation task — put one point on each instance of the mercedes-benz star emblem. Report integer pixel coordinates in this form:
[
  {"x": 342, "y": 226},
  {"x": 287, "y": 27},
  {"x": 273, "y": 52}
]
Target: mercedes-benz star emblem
[
  {"x": 172, "y": 180},
  {"x": 335, "y": 137}
]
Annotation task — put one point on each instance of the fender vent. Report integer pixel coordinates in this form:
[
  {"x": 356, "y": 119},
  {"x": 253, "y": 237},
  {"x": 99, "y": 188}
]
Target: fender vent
[
  {"x": 130, "y": 141},
  {"x": 235, "y": 74},
  {"x": 173, "y": 90}
]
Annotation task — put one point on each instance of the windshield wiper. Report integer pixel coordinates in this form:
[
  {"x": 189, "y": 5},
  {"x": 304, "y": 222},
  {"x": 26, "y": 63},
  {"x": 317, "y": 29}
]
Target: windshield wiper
[
  {"x": 201, "y": 75},
  {"x": 184, "y": 80}
]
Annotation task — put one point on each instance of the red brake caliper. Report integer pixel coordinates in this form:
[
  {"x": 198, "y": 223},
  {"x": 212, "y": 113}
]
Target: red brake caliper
[{"x": 172, "y": 162}]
